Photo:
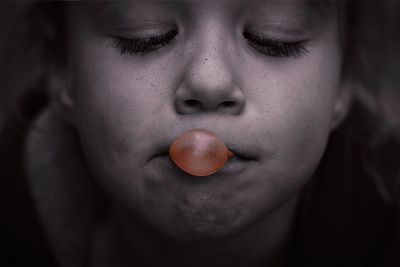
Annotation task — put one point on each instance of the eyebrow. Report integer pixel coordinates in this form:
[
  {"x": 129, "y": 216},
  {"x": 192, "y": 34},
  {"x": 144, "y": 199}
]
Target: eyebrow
[
  {"x": 316, "y": 13},
  {"x": 322, "y": 9},
  {"x": 173, "y": 5},
  {"x": 311, "y": 14}
]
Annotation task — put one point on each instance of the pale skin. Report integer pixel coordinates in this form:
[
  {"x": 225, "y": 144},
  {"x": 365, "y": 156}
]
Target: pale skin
[{"x": 128, "y": 108}]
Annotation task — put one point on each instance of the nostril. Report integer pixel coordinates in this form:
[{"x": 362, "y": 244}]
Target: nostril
[{"x": 192, "y": 103}]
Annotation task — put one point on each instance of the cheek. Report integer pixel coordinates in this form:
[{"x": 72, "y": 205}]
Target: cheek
[
  {"x": 293, "y": 103},
  {"x": 119, "y": 102},
  {"x": 303, "y": 111}
]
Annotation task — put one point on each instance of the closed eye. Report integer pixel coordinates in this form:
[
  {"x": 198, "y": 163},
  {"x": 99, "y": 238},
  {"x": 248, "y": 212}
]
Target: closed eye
[
  {"x": 143, "y": 45},
  {"x": 275, "y": 48}
]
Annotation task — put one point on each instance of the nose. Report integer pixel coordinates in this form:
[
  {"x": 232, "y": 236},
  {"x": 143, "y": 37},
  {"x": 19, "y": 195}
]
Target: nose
[{"x": 209, "y": 84}]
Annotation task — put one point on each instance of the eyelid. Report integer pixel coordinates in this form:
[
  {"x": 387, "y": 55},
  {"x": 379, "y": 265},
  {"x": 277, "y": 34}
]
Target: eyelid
[
  {"x": 258, "y": 36},
  {"x": 139, "y": 30},
  {"x": 144, "y": 35},
  {"x": 283, "y": 35},
  {"x": 279, "y": 30},
  {"x": 275, "y": 25},
  {"x": 276, "y": 47}
]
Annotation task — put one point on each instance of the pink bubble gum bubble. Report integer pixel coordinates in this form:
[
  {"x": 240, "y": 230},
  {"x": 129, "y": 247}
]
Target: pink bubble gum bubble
[{"x": 199, "y": 152}]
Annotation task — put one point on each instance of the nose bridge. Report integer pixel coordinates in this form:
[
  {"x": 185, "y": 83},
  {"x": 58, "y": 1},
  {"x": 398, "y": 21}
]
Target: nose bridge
[
  {"x": 209, "y": 81},
  {"x": 210, "y": 66}
]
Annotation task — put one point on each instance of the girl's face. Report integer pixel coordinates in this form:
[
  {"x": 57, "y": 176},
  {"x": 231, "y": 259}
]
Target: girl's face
[{"x": 264, "y": 76}]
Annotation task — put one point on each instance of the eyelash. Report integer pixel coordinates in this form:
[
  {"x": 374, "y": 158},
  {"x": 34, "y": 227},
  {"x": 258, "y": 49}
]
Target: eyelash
[
  {"x": 143, "y": 45},
  {"x": 274, "y": 48}
]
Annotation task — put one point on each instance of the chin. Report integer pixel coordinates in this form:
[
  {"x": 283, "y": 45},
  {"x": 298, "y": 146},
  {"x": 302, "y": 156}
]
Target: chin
[
  {"x": 209, "y": 223},
  {"x": 200, "y": 231}
]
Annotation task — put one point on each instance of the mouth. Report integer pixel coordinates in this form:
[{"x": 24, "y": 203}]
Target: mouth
[
  {"x": 237, "y": 154},
  {"x": 241, "y": 154},
  {"x": 234, "y": 166},
  {"x": 206, "y": 156}
]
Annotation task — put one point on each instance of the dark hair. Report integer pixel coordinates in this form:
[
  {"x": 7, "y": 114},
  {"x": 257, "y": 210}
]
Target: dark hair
[
  {"x": 35, "y": 45},
  {"x": 370, "y": 44}
]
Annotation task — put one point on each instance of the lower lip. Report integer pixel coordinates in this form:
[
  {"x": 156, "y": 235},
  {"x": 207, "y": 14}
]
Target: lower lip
[{"x": 234, "y": 166}]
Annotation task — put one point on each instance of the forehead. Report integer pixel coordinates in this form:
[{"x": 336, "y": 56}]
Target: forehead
[
  {"x": 309, "y": 7},
  {"x": 309, "y": 12}
]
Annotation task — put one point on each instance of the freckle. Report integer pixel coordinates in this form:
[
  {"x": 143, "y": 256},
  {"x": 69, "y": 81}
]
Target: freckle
[{"x": 199, "y": 152}]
